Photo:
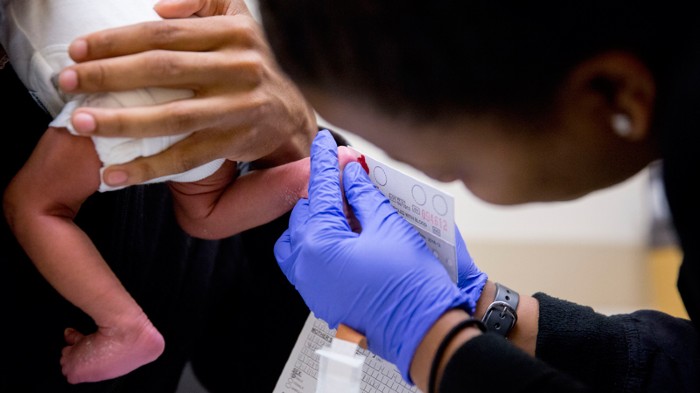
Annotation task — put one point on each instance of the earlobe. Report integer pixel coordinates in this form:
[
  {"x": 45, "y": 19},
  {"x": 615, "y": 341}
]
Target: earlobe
[
  {"x": 628, "y": 89},
  {"x": 621, "y": 124}
]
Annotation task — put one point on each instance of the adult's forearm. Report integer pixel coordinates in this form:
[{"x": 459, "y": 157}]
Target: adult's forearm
[{"x": 523, "y": 335}]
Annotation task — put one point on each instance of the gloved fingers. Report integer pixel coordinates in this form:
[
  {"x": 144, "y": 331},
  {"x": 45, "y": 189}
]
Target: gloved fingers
[
  {"x": 325, "y": 196},
  {"x": 367, "y": 202}
]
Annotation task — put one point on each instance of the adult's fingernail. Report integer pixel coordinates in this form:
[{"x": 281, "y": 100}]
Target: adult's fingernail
[
  {"x": 116, "y": 178},
  {"x": 68, "y": 80},
  {"x": 78, "y": 49},
  {"x": 84, "y": 123}
]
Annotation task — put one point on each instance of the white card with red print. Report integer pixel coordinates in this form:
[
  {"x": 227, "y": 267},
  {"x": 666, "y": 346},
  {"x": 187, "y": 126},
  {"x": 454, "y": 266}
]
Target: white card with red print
[{"x": 430, "y": 210}]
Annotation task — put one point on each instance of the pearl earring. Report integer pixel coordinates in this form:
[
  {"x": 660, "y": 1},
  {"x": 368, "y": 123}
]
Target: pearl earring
[{"x": 621, "y": 124}]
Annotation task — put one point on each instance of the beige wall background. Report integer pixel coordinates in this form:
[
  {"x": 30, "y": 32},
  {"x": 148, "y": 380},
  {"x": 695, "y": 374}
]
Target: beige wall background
[{"x": 595, "y": 251}]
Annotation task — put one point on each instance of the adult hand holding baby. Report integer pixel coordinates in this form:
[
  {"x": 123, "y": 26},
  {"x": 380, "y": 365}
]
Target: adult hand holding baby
[{"x": 244, "y": 108}]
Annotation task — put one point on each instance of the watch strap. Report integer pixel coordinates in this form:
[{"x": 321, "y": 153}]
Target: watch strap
[{"x": 501, "y": 315}]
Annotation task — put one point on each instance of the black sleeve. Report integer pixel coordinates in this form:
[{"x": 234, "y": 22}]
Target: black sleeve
[
  {"x": 489, "y": 363},
  {"x": 580, "y": 350},
  {"x": 645, "y": 351}
]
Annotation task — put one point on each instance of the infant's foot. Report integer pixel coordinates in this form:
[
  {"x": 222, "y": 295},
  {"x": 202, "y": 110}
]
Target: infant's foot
[{"x": 109, "y": 352}]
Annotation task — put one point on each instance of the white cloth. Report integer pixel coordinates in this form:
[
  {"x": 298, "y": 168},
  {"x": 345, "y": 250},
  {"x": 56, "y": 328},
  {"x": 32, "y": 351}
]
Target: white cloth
[{"x": 36, "y": 35}]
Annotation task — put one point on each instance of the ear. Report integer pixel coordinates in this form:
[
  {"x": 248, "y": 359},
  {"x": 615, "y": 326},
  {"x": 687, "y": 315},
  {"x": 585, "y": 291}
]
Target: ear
[{"x": 626, "y": 86}]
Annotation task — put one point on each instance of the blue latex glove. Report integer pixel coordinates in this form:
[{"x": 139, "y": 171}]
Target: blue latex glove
[
  {"x": 383, "y": 282},
  {"x": 470, "y": 279}
]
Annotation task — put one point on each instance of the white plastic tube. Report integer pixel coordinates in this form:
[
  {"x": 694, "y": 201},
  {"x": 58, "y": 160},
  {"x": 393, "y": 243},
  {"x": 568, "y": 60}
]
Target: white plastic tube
[{"x": 340, "y": 368}]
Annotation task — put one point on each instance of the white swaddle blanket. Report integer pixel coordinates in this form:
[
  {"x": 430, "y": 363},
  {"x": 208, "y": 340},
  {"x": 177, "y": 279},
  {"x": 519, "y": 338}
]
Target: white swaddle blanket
[{"x": 36, "y": 35}]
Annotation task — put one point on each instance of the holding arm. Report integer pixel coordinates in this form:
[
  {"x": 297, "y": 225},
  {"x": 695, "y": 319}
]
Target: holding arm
[{"x": 258, "y": 115}]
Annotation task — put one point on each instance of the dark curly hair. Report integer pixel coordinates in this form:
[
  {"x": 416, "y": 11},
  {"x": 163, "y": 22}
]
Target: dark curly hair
[{"x": 439, "y": 57}]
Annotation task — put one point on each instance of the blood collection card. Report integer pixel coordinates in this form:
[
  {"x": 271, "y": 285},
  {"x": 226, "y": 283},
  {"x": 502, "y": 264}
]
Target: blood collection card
[{"x": 431, "y": 212}]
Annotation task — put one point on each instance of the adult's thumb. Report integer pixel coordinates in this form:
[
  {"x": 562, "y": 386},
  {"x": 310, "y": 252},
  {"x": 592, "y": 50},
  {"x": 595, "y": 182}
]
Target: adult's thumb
[{"x": 367, "y": 202}]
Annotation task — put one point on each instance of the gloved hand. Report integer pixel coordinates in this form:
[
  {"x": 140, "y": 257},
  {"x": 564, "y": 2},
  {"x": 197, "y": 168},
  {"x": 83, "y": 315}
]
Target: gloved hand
[
  {"x": 383, "y": 282},
  {"x": 470, "y": 279}
]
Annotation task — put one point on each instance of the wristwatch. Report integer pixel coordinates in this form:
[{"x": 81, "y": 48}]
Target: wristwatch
[{"x": 501, "y": 315}]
